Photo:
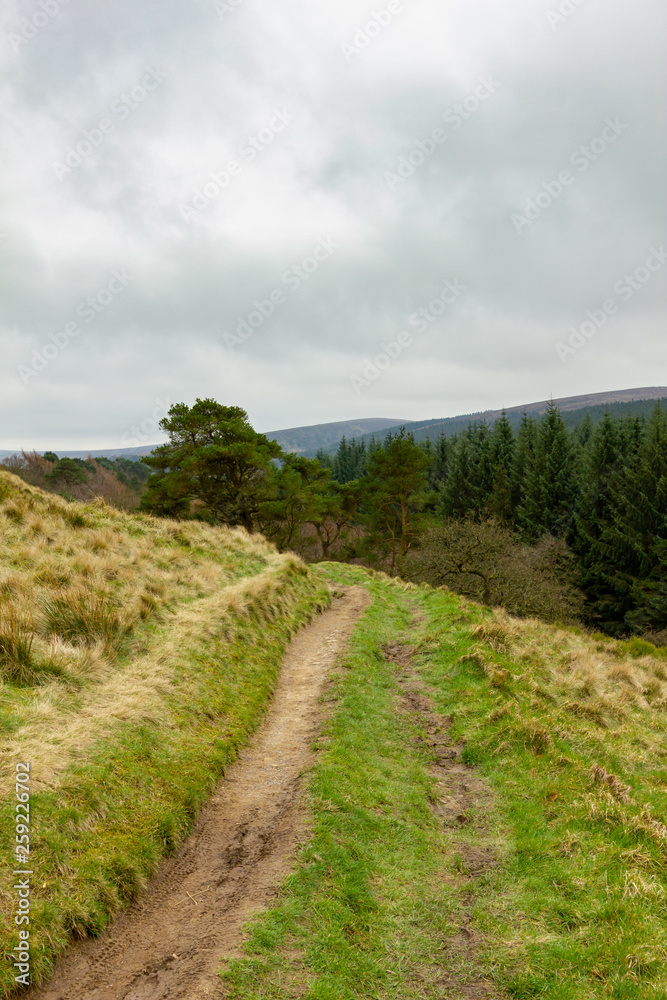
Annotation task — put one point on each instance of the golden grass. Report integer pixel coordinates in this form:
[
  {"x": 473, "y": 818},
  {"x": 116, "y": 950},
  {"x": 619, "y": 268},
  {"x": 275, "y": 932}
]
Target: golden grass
[
  {"x": 602, "y": 681},
  {"x": 94, "y": 604}
]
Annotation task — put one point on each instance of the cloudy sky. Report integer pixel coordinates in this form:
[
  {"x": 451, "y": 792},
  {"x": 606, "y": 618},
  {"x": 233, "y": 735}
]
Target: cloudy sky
[{"x": 325, "y": 210}]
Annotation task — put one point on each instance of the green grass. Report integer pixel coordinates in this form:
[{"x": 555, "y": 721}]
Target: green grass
[
  {"x": 372, "y": 901},
  {"x": 585, "y": 888},
  {"x": 575, "y": 906},
  {"x": 134, "y": 796}
]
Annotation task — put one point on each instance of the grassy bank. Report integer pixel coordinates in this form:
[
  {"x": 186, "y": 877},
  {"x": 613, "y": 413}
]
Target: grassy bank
[
  {"x": 136, "y": 657},
  {"x": 535, "y": 868}
]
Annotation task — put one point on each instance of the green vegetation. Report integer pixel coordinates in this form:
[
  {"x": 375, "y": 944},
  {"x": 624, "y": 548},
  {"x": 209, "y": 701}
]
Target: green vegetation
[
  {"x": 594, "y": 493},
  {"x": 119, "y": 482},
  {"x": 536, "y": 867},
  {"x": 488, "y": 799},
  {"x": 569, "y": 525},
  {"x": 136, "y": 657}
]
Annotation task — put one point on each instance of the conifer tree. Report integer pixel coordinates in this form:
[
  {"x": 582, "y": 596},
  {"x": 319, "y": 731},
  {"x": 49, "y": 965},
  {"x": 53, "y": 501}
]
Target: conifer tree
[
  {"x": 396, "y": 493},
  {"x": 457, "y": 495},
  {"x": 441, "y": 454},
  {"x": 503, "y": 445},
  {"x": 551, "y": 483},
  {"x": 523, "y": 461},
  {"x": 629, "y": 552}
]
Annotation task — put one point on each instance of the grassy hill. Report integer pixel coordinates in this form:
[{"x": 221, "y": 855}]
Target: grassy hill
[
  {"x": 136, "y": 655},
  {"x": 488, "y": 801},
  {"x": 489, "y": 816}
]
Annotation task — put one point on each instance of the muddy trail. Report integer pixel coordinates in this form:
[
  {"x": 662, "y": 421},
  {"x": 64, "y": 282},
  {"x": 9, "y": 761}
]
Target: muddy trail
[{"x": 172, "y": 942}]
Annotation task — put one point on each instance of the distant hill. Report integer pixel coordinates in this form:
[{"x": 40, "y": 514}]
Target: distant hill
[
  {"x": 573, "y": 408},
  {"x": 308, "y": 440},
  {"x": 134, "y": 453}
]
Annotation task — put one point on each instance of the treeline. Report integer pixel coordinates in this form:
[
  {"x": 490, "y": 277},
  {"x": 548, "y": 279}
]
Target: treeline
[
  {"x": 566, "y": 523},
  {"x": 119, "y": 482},
  {"x": 601, "y": 488}
]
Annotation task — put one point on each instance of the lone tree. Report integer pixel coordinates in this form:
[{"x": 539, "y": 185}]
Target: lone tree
[
  {"x": 214, "y": 457},
  {"x": 396, "y": 490}
]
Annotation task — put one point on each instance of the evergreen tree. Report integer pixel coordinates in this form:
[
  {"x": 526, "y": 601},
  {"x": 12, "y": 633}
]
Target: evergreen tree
[
  {"x": 324, "y": 459},
  {"x": 603, "y": 461},
  {"x": 523, "y": 460},
  {"x": 482, "y": 464},
  {"x": 629, "y": 554},
  {"x": 398, "y": 475},
  {"x": 441, "y": 453},
  {"x": 503, "y": 446},
  {"x": 502, "y": 443},
  {"x": 457, "y": 494},
  {"x": 583, "y": 431},
  {"x": 349, "y": 462},
  {"x": 213, "y": 457},
  {"x": 551, "y": 482}
]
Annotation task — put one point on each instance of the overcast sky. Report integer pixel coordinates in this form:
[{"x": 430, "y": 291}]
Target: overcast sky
[{"x": 253, "y": 200}]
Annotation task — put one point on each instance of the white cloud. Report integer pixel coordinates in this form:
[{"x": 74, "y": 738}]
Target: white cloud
[{"x": 324, "y": 173}]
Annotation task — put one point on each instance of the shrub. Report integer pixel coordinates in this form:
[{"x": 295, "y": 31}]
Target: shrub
[{"x": 486, "y": 562}]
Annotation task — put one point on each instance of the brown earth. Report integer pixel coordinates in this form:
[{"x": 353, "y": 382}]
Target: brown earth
[{"x": 171, "y": 943}]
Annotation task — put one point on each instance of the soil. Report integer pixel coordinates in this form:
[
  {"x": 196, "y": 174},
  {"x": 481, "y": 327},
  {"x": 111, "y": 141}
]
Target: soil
[{"x": 172, "y": 942}]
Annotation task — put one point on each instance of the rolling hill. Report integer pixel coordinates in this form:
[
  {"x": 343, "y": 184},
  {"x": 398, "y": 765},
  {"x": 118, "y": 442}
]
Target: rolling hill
[
  {"x": 307, "y": 440},
  {"x": 573, "y": 408}
]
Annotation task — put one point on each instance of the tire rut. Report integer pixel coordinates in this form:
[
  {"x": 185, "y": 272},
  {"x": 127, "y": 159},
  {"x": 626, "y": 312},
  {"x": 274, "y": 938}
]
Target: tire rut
[
  {"x": 462, "y": 798},
  {"x": 172, "y": 941}
]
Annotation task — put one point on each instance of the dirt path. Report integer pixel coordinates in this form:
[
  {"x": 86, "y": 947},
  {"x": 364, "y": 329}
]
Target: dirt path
[{"x": 171, "y": 943}]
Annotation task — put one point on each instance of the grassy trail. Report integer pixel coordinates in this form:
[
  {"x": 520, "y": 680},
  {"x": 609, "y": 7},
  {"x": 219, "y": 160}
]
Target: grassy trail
[{"x": 477, "y": 830}]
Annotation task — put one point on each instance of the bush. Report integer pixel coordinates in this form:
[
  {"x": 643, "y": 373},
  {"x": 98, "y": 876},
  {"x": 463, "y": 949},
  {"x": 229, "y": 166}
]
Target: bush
[{"x": 485, "y": 561}]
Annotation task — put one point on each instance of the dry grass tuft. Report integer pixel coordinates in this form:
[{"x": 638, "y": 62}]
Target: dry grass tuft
[
  {"x": 652, "y": 827},
  {"x": 501, "y": 632},
  {"x": 617, "y": 788},
  {"x": 588, "y": 678}
]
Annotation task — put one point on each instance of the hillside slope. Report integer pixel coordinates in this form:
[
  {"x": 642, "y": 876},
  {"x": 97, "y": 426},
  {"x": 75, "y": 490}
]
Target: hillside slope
[
  {"x": 488, "y": 811},
  {"x": 573, "y": 409},
  {"x": 486, "y": 802},
  {"x": 136, "y": 655},
  {"x": 308, "y": 440}
]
